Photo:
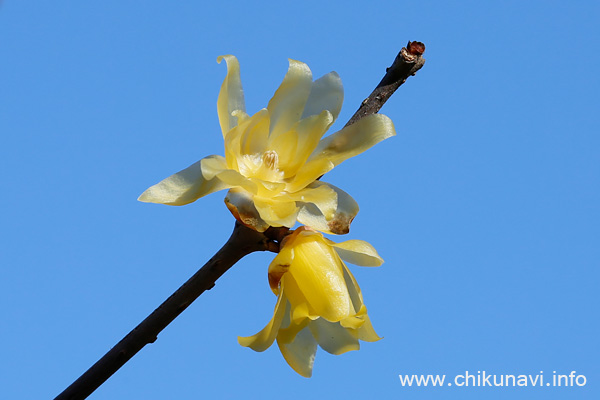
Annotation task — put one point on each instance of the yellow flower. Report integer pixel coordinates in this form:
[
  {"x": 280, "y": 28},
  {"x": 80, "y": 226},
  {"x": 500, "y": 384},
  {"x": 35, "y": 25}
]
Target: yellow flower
[
  {"x": 273, "y": 159},
  {"x": 319, "y": 301}
]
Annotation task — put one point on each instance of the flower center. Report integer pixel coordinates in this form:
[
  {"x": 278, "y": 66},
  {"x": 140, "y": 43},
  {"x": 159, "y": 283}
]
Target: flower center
[
  {"x": 264, "y": 167},
  {"x": 271, "y": 159}
]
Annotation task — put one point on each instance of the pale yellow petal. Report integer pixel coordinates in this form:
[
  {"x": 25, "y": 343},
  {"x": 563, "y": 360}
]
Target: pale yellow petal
[
  {"x": 270, "y": 189},
  {"x": 364, "y": 327},
  {"x": 265, "y": 338},
  {"x": 358, "y": 252},
  {"x": 256, "y": 133},
  {"x": 212, "y": 165},
  {"x": 279, "y": 266},
  {"x": 301, "y": 312},
  {"x": 233, "y": 140},
  {"x": 353, "y": 322},
  {"x": 295, "y": 296},
  {"x": 284, "y": 145},
  {"x": 182, "y": 188},
  {"x": 316, "y": 277},
  {"x": 353, "y": 290},
  {"x": 366, "y": 332},
  {"x": 321, "y": 195},
  {"x": 287, "y": 104},
  {"x": 309, "y": 173},
  {"x": 234, "y": 179},
  {"x": 287, "y": 335},
  {"x": 276, "y": 213},
  {"x": 332, "y": 337},
  {"x": 231, "y": 96},
  {"x": 339, "y": 223},
  {"x": 354, "y": 139},
  {"x": 309, "y": 132},
  {"x": 327, "y": 93},
  {"x": 240, "y": 203},
  {"x": 300, "y": 354}
]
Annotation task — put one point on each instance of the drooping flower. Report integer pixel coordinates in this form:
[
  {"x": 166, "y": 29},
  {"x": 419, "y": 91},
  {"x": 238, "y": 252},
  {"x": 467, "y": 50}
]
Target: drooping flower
[
  {"x": 318, "y": 299},
  {"x": 274, "y": 158}
]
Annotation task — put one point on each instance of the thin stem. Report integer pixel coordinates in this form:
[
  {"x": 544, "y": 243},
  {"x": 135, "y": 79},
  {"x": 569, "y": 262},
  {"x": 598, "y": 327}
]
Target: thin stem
[
  {"x": 408, "y": 61},
  {"x": 242, "y": 242}
]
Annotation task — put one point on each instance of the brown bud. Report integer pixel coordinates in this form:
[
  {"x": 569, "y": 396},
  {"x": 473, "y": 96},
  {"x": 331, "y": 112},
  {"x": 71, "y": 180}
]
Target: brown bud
[{"x": 415, "y": 48}]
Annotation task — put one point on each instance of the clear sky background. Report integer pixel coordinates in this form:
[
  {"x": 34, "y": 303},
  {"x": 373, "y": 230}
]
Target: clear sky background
[{"x": 485, "y": 206}]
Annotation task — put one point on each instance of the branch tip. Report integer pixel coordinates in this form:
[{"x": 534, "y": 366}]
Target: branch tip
[
  {"x": 408, "y": 61},
  {"x": 415, "y": 48}
]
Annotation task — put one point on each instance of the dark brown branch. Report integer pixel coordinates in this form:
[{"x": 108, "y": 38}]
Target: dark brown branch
[
  {"x": 242, "y": 242},
  {"x": 407, "y": 63}
]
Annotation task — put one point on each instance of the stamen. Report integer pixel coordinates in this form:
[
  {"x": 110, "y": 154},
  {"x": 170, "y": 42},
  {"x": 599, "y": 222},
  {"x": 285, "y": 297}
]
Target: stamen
[{"x": 271, "y": 159}]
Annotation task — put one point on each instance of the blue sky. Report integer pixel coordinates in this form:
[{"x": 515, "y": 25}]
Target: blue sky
[{"x": 484, "y": 206}]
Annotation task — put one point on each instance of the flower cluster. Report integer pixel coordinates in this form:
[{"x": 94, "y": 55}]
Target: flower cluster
[{"x": 272, "y": 167}]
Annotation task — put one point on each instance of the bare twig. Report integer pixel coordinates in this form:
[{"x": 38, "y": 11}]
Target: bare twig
[
  {"x": 242, "y": 242},
  {"x": 407, "y": 63}
]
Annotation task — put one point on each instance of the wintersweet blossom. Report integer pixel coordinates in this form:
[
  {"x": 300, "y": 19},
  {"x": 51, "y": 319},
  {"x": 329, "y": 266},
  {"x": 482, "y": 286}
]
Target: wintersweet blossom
[
  {"x": 274, "y": 158},
  {"x": 319, "y": 301}
]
